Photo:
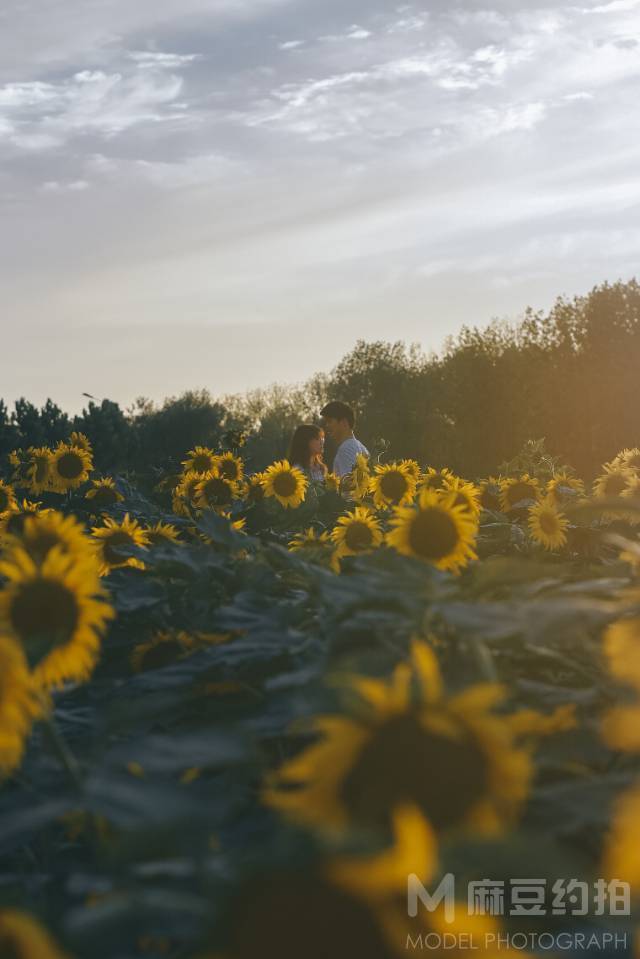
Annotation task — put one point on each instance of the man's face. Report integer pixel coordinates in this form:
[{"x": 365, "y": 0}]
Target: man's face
[{"x": 330, "y": 425}]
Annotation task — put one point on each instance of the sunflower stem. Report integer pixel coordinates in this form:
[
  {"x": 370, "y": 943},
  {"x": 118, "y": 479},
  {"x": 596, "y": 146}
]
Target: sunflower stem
[{"x": 63, "y": 754}]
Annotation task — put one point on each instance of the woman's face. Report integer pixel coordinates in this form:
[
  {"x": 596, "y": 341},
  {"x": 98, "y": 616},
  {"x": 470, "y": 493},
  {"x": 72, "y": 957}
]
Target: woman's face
[{"x": 316, "y": 445}]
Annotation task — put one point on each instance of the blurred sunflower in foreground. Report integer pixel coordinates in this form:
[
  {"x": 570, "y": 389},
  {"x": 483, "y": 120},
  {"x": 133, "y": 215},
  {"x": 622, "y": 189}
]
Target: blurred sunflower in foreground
[
  {"x": 349, "y": 906},
  {"x": 435, "y": 530},
  {"x": 22, "y": 937},
  {"x": 460, "y": 763},
  {"x": 55, "y": 609},
  {"x": 20, "y": 705},
  {"x": 287, "y": 483},
  {"x": 621, "y": 730}
]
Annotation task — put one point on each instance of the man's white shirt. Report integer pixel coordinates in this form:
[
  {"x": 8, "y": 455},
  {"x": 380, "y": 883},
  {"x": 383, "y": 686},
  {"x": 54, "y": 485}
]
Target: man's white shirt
[{"x": 345, "y": 458}]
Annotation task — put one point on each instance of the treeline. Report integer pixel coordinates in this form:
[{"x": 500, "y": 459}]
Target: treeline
[{"x": 568, "y": 375}]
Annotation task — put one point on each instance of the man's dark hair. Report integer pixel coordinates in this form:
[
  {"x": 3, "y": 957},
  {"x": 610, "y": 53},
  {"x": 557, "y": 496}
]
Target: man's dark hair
[{"x": 336, "y": 410}]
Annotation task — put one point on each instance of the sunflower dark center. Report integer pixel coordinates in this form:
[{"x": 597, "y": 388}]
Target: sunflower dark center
[
  {"x": 70, "y": 466},
  {"x": 217, "y": 491},
  {"x": 405, "y": 762},
  {"x": 202, "y": 463},
  {"x": 433, "y": 534},
  {"x": 285, "y": 484},
  {"x": 435, "y": 481},
  {"x": 105, "y": 496},
  {"x": 393, "y": 485},
  {"x": 358, "y": 536},
  {"x": 44, "y": 614},
  {"x": 548, "y": 523},
  {"x": 113, "y": 543},
  {"x": 520, "y": 491},
  {"x": 229, "y": 469},
  {"x": 290, "y": 915},
  {"x": 614, "y": 485}
]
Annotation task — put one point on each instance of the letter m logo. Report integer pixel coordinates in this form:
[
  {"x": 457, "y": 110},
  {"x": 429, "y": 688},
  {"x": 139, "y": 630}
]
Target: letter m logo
[{"x": 445, "y": 893}]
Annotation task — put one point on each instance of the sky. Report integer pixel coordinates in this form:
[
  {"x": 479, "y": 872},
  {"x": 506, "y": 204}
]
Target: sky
[{"x": 228, "y": 193}]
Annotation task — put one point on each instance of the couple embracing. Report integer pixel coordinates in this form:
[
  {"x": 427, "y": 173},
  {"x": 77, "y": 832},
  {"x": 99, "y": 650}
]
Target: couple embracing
[{"x": 307, "y": 445}]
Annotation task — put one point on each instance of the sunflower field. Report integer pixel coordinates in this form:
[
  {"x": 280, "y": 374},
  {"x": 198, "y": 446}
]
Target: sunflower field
[{"x": 243, "y": 714}]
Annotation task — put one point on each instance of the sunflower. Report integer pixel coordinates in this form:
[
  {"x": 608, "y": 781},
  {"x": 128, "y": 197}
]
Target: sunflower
[
  {"x": 309, "y": 539},
  {"x": 13, "y": 522},
  {"x": 413, "y": 467},
  {"x": 436, "y": 479},
  {"x": 56, "y": 610},
  {"x": 455, "y": 759},
  {"x": 21, "y": 937},
  {"x": 185, "y": 493},
  {"x": 435, "y": 530},
  {"x": 254, "y": 488},
  {"x": 81, "y": 441},
  {"x": 287, "y": 483},
  {"x": 628, "y": 459},
  {"x": 356, "y": 532},
  {"x": 163, "y": 649},
  {"x": 162, "y": 533},
  {"x": 344, "y": 924},
  {"x": 359, "y": 477},
  {"x": 70, "y": 467},
  {"x": 622, "y": 844},
  {"x": 467, "y": 495},
  {"x": 392, "y": 485},
  {"x": 103, "y": 493},
  {"x": 214, "y": 491},
  {"x": 8, "y": 503},
  {"x": 517, "y": 490},
  {"x": 621, "y": 727},
  {"x": 613, "y": 482},
  {"x": 230, "y": 467},
  {"x": 547, "y": 525},
  {"x": 200, "y": 460},
  {"x": 490, "y": 494},
  {"x": 42, "y": 532},
  {"x": 113, "y": 536},
  {"x": 37, "y": 468},
  {"x": 562, "y": 486},
  {"x": 332, "y": 482},
  {"x": 20, "y": 705}
]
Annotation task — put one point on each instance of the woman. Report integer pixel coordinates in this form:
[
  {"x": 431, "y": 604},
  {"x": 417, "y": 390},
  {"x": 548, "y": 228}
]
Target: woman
[{"x": 306, "y": 452}]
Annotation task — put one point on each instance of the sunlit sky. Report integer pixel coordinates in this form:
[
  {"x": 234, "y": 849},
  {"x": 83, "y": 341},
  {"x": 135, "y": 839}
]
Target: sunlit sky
[{"x": 226, "y": 193}]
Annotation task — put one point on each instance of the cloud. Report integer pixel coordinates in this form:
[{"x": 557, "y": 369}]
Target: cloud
[{"x": 40, "y": 115}]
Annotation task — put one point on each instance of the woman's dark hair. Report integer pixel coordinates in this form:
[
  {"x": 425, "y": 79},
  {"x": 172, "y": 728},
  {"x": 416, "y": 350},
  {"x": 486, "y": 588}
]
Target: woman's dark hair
[{"x": 299, "y": 452}]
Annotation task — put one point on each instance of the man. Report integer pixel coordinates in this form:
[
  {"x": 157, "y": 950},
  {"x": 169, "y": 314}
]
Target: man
[{"x": 338, "y": 421}]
